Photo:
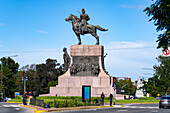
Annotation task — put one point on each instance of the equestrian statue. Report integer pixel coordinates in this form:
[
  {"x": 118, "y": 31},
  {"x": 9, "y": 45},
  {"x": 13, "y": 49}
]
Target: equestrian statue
[{"x": 81, "y": 27}]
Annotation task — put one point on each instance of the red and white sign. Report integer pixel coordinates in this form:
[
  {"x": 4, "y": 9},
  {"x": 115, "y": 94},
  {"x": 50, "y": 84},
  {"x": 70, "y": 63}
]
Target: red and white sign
[{"x": 166, "y": 52}]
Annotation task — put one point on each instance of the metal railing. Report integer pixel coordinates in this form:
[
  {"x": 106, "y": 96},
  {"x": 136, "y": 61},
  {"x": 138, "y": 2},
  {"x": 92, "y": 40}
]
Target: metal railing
[{"x": 37, "y": 102}]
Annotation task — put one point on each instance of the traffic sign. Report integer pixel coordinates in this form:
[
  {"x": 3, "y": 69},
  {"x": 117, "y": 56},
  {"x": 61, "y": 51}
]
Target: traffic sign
[{"x": 166, "y": 52}]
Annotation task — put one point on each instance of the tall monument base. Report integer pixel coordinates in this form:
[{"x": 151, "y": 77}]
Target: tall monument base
[{"x": 86, "y": 69}]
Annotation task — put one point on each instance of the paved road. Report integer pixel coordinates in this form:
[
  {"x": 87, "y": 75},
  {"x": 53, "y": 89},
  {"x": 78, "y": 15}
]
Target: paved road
[
  {"x": 131, "y": 108},
  {"x": 13, "y": 108}
]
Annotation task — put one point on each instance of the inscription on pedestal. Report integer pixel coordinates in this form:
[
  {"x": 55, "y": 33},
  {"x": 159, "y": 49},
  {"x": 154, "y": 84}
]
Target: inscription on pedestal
[{"x": 85, "y": 66}]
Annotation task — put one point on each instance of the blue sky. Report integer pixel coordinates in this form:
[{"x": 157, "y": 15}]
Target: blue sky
[{"x": 39, "y": 25}]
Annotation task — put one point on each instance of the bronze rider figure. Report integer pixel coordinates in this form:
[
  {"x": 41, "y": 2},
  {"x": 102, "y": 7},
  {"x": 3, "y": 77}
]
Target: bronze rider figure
[{"x": 83, "y": 19}]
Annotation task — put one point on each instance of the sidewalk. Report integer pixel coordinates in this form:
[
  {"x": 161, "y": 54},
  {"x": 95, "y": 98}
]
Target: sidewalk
[{"x": 40, "y": 110}]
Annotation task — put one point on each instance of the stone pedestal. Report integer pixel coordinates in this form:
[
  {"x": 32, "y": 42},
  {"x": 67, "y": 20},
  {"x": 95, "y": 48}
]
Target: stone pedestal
[
  {"x": 139, "y": 93},
  {"x": 86, "y": 69}
]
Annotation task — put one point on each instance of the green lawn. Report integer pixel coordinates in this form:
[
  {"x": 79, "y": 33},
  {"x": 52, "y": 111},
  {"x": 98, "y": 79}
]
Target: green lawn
[
  {"x": 136, "y": 101},
  {"x": 16, "y": 100}
]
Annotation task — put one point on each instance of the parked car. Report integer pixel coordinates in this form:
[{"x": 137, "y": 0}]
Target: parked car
[
  {"x": 164, "y": 101},
  {"x": 6, "y": 99}
]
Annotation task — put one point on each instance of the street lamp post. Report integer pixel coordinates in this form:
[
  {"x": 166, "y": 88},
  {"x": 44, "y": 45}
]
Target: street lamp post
[
  {"x": 114, "y": 83},
  {"x": 24, "y": 78},
  {"x": 2, "y": 74}
]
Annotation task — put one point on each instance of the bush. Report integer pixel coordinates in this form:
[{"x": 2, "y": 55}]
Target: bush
[
  {"x": 59, "y": 103},
  {"x": 18, "y": 97},
  {"x": 59, "y": 97},
  {"x": 69, "y": 101}
]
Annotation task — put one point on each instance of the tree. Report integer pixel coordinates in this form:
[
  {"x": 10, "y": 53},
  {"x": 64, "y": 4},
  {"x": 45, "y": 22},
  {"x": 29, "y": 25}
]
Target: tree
[
  {"x": 10, "y": 68},
  {"x": 160, "y": 82},
  {"x": 160, "y": 15},
  {"x": 52, "y": 83},
  {"x": 46, "y": 73},
  {"x": 168, "y": 90},
  {"x": 127, "y": 86},
  {"x": 30, "y": 73},
  {"x": 163, "y": 71}
]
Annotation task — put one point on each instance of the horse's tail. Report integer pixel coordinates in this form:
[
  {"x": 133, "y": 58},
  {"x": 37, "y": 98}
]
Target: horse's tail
[{"x": 101, "y": 29}]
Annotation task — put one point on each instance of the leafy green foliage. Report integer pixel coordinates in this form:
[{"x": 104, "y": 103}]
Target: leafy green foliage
[
  {"x": 30, "y": 73},
  {"x": 161, "y": 80},
  {"x": 52, "y": 83},
  {"x": 40, "y": 77},
  {"x": 67, "y": 97},
  {"x": 46, "y": 73},
  {"x": 10, "y": 68},
  {"x": 168, "y": 90},
  {"x": 127, "y": 86},
  {"x": 18, "y": 97},
  {"x": 59, "y": 103},
  {"x": 160, "y": 15}
]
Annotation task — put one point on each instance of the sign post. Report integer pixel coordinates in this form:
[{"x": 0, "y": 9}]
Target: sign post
[
  {"x": 166, "y": 52},
  {"x": 17, "y": 94}
]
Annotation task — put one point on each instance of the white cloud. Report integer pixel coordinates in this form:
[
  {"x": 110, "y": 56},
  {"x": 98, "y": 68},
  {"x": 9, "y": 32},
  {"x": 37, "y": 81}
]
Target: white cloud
[
  {"x": 128, "y": 58},
  {"x": 2, "y": 24},
  {"x": 123, "y": 44},
  {"x": 42, "y": 31},
  {"x": 132, "y": 6}
]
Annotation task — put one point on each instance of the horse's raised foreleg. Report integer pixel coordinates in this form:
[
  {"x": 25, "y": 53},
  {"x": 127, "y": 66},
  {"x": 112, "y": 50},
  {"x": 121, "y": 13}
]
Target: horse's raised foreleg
[{"x": 97, "y": 37}]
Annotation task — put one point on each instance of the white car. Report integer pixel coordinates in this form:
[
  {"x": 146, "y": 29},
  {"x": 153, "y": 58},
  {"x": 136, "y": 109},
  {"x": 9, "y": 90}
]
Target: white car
[{"x": 6, "y": 99}]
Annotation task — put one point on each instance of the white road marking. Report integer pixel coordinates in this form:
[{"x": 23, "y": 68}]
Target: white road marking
[
  {"x": 141, "y": 107},
  {"x": 14, "y": 106},
  {"x": 89, "y": 110},
  {"x": 5, "y": 105},
  {"x": 17, "y": 109},
  {"x": 155, "y": 111},
  {"x": 117, "y": 106},
  {"x": 121, "y": 110}
]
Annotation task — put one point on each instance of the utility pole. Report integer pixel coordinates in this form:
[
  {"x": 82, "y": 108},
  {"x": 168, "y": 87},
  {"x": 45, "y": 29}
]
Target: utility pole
[
  {"x": 114, "y": 84},
  {"x": 24, "y": 78}
]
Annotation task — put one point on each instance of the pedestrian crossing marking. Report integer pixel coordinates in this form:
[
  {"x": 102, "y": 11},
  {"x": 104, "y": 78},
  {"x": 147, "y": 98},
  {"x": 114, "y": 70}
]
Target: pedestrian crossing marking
[
  {"x": 10, "y": 106},
  {"x": 14, "y": 105},
  {"x": 140, "y": 107},
  {"x": 5, "y": 105}
]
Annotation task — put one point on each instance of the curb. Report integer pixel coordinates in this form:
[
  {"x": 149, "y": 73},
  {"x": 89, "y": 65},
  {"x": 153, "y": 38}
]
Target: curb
[
  {"x": 73, "y": 108},
  {"x": 14, "y": 102},
  {"x": 76, "y": 108},
  {"x": 141, "y": 103},
  {"x": 35, "y": 110}
]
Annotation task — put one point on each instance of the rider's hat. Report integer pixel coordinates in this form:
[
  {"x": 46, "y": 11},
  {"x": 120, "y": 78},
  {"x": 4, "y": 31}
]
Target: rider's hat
[{"x": 83, "y": 10}]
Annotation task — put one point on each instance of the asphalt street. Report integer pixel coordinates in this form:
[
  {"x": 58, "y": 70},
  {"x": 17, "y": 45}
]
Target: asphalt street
[
  {"x": 131, "y": 108},
  {"x": 13, "y": 108}
]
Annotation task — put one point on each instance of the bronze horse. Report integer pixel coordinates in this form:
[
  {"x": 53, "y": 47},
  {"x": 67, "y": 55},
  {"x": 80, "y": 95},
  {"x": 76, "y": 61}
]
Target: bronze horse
[{"x": 90, "y": 28}]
